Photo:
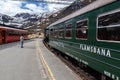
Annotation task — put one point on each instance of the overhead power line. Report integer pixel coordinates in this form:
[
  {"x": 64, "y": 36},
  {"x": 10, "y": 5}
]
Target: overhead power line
[{"x": 64, "y": 2}]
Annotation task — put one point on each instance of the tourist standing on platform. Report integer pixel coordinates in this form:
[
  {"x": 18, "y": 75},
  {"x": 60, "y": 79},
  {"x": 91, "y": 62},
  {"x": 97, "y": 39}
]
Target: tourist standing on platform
[{"x": 21, "y": 41}]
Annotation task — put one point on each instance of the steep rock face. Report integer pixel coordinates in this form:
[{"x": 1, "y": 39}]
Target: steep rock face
[
  {"x": 23, "y": 15},
  {"x": 5, "y": 18}
]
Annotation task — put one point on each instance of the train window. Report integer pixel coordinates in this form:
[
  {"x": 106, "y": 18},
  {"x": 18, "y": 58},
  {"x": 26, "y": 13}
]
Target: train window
[
  {"x": 82, "y": 29},
  {"x": 10, "y": 33},
  {"x": 47, "y": 32},
  {"x": 55, "y": 33},
  {"x": 61, "y": 33},
  {"x": 51, "y": 33},
  {"x": 68, "y": 31},
  {"x": 109, "y": 26}
]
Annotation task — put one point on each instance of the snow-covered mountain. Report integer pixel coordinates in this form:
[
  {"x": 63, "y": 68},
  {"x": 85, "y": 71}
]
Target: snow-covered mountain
[
  {"x": 5, "y": 18},
  {"x": 28, "y": 17},
  {"x": 20, "y": 20}
]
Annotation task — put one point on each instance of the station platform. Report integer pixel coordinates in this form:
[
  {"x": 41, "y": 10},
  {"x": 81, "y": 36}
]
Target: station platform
[{"x": 33, "y": 62}]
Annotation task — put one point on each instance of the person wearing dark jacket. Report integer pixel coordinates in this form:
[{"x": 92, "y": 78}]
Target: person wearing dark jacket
[{"x": 21, "y": 41}]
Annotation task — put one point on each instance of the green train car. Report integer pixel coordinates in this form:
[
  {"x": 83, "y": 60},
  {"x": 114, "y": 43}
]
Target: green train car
[{"x": 91, "y": 35}]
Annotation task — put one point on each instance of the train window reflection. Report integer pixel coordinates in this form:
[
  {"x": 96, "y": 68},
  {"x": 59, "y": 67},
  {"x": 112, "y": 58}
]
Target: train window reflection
[
  {"x": 61, "y": 33},
  {"x": 82, "y": 29},
  {"x": 55, "y": 33},
  {"x": 109, "y": 27},
  {"x": 68, "y": 33},
  {"x": 110, "y": 19},
  {"x": 51, "y": 33}
]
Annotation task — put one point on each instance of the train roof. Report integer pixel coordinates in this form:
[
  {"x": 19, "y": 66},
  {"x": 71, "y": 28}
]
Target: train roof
[
  {"x": 94, "y": 5},
  {"x": 9, "y": 28}
]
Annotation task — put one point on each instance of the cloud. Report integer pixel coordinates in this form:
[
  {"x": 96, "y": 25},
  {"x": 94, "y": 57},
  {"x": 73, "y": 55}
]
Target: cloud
[
  {"x": 31, "y": 6},
  {"x": 56, "y": 7},
  {"x": 35, "y": 8},
  {"x": 53, "y": 7},
  {"x": 11, "y": 7}
]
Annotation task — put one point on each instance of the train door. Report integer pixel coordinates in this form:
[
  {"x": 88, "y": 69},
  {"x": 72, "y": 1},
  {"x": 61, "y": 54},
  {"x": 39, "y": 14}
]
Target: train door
[{"x": 3, "y": 37}]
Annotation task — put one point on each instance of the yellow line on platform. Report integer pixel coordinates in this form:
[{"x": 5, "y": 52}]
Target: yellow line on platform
[{"x": 44, "y": 61}]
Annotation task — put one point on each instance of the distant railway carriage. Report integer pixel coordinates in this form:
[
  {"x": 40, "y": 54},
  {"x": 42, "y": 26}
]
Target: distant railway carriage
[
  {"x": 8, "y": 35},
  {"x": 91, "y": 35}
]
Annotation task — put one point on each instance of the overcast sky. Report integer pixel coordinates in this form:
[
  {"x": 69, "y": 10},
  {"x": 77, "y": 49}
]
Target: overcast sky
[{"x": 11, "y": 7}]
